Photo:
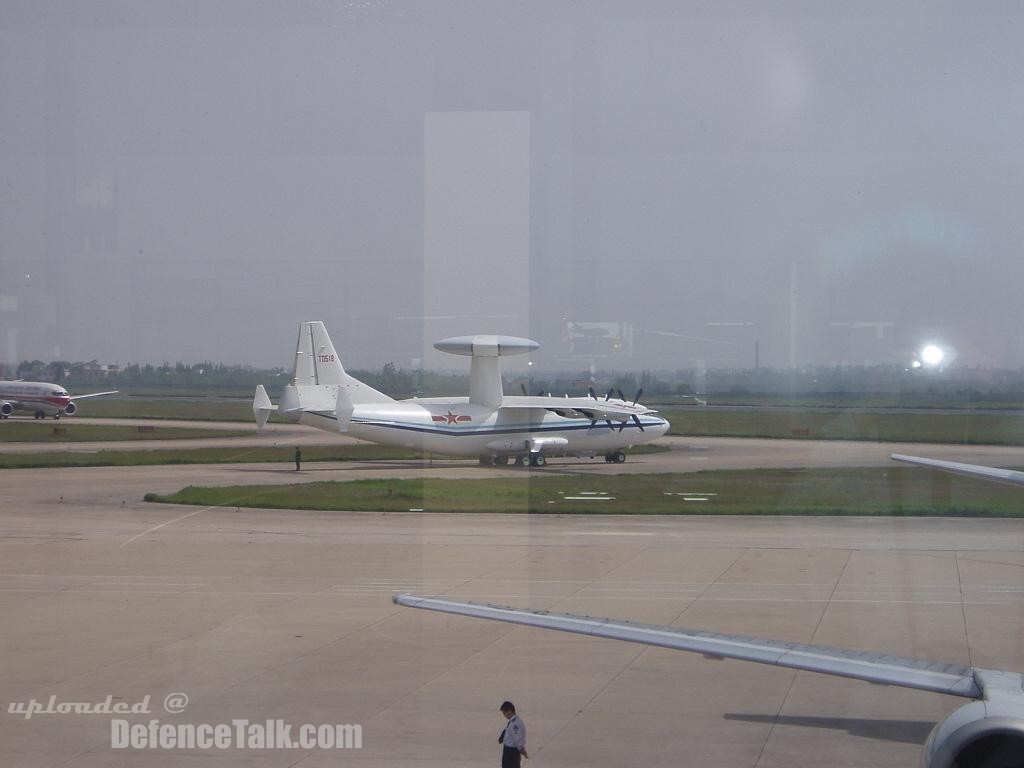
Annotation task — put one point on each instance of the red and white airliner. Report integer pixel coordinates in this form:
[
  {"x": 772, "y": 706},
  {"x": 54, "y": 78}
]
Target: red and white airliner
[{"x": 39, "y": 397}]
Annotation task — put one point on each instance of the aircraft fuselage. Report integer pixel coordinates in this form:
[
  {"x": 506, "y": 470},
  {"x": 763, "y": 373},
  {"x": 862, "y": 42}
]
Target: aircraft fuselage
[
  {"x": 36, "y": 396},
  {"x": 459, "y": 428}
]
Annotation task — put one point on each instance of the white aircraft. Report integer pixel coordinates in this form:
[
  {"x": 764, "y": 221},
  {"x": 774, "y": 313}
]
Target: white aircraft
[
  {"x": 987, "y": 733},
  {"x": 487, "y": 424},
  {"x": 41, "y": 398}
]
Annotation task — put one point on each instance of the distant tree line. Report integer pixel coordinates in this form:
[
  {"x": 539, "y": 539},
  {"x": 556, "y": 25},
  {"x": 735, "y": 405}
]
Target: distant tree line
[{"x": 964, "y": 385}]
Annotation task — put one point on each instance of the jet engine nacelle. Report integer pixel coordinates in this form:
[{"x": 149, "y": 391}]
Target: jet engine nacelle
[
  {"x": 982, "y": 734},
  {"x": 71, "y": 409},
  {"x": 6, "y": 409}
]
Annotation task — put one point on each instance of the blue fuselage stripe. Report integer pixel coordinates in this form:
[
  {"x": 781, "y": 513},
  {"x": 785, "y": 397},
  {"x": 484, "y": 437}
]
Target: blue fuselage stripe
[{"x": 472, "y": 432}]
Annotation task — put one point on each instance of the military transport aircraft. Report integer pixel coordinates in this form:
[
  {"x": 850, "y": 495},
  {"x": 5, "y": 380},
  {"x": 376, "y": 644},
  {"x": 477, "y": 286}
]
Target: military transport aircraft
[
  {"x": 41, "y": 398},
  {"x": 489, "y": 424}
]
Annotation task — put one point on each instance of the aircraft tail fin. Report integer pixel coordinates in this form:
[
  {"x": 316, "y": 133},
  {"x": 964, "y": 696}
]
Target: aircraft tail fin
[{"x": 317, "y": 363}]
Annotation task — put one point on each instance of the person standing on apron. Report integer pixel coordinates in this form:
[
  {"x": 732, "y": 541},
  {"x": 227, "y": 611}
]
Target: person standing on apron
[{"x": 513, "y": 738}]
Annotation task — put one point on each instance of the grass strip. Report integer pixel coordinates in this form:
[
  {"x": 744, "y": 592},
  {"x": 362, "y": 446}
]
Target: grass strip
[
  {"x": 222, "y": 455},
  {"x": 888, "y": 491},
  {"x": 966, "y": 427},
  {"x": 53, "y": 432},
  {"x": 142, "y": 457}
]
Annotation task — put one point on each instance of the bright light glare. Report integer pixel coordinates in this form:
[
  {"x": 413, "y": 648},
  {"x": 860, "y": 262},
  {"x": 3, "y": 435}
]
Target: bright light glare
[{"x": 932, "y": 355}]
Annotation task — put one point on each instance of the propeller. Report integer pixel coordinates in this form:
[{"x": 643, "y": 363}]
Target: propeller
[
  {"x": 523, "y": 387},
  {"x": 638, "y": 423},
  {"x": 609, "y": 395},
  {"x": 638, "y": 393},
  {"x": 591, "y": 391},
  {"x": 622, "y": 397}
]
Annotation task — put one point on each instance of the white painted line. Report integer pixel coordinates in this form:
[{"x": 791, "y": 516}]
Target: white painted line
[{"x": 138, "y": 536}]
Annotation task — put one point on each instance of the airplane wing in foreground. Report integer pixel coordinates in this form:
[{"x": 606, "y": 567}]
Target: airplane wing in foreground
[
  {"x": 954, "y": 679},
  {"x": 1010, "y": 476}
]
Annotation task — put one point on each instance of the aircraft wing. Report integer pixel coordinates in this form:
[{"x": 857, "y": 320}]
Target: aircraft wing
[
  {"x": 579, "y": 407},
  {"x": 939, "y": 677},
  {"x": 94, "y": 394},
  {"x": 1009, "y": 476}
]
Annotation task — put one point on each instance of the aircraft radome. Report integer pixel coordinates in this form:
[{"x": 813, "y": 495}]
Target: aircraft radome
[
  {"x": 41, "y": 398},
  {"x": 488, "y": 424}
]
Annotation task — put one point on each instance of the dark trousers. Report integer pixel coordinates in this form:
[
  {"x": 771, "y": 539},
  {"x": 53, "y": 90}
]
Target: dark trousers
[{"x": 510, "y": 757}]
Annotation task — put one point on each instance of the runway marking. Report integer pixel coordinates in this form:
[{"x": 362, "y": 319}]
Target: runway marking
[{"x": 138, "y": 536}]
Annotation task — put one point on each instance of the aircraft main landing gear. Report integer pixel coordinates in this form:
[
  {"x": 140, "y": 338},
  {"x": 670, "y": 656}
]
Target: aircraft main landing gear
[
  {"x": 616, "y": 457},
  {"x": 530, "y": 460}
]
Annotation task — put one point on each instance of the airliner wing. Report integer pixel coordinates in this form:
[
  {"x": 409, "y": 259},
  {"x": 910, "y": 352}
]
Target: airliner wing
[
  {"x": 968, "y": 470},
  {"x": 94, "y": 394},
  {"x": 940, "y": 677}
]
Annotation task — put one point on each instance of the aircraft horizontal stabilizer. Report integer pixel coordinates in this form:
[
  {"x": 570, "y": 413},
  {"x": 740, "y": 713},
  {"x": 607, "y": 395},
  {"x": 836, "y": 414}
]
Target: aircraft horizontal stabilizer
[{"x": 262, "y": 407}]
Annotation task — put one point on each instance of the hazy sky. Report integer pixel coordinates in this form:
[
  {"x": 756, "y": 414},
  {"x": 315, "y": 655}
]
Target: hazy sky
[{"x": 817, "y": 183}]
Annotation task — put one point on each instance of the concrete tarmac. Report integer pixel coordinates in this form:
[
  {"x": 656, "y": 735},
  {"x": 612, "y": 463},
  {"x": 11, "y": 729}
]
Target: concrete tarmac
[{"x": 286, "y": 615}]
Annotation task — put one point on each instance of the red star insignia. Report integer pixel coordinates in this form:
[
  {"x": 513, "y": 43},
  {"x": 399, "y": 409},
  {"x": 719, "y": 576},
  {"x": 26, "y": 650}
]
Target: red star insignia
[{"x": 452, "y": 418}]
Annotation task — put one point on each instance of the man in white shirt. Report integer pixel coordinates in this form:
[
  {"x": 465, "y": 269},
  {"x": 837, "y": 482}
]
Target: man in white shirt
[{"x": 513, "y": 738}]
